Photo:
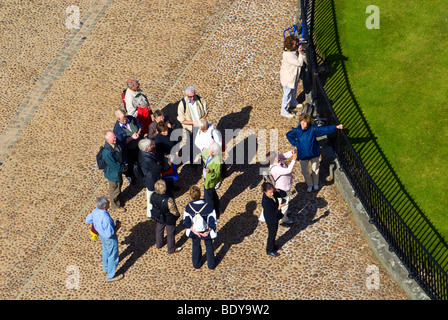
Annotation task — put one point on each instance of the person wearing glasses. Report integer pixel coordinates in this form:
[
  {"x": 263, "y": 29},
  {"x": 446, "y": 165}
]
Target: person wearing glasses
[{"x": 190, "y": 110}]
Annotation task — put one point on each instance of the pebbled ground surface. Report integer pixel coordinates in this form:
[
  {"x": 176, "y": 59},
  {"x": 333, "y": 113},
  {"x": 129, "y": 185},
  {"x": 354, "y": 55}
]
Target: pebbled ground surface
[{"x": 59, "y": 89}]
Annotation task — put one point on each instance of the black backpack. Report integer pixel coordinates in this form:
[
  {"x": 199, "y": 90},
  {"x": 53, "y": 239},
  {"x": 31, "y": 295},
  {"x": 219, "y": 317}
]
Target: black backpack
[
  {"x": 184, "y": 103},
  {"x": 99, "y": 159}
]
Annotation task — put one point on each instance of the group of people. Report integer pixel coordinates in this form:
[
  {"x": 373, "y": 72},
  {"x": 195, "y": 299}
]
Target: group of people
[
  {"x": 139, "y": 147},
  {"x": 276, "y": 192}
]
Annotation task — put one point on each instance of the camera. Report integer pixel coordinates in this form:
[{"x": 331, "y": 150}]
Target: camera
[{"x": 303, "y": 43}]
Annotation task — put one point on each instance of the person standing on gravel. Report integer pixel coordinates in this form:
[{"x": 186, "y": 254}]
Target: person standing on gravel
[
  {"x": 272, "y": 214},
  {"x": 107, "y": 231},
  {"x": 207, "y": 232},
  {"x": 212, "y": 174},
  {"x": 136, "y": 103},
  {"x": 128, "y": 131},
  {"x": 282, "y": 175},
  {"x": 116, "y": 165},
  {"x": 167, "y": 208},
  {"x": 292, "y": 62},
  {"x": 304, "y": 138},
  {"x": 190, "y": 110}
]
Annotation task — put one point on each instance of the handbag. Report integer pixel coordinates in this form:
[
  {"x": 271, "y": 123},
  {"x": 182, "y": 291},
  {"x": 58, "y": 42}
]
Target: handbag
[{"x": 261, "y": 218}]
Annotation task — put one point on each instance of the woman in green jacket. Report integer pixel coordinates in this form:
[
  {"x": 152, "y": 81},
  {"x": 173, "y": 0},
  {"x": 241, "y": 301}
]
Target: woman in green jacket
[{"x": 212, "y": 174}]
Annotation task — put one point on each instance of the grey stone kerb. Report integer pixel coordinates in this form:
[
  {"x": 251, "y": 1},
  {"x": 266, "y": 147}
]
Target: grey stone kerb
[{"x": 375, "y": 240}]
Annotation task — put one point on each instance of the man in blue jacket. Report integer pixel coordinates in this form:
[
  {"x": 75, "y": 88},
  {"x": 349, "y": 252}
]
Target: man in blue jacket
[
  {"x": 304, "y": 139},
  {"x": 128, "y": 132},
  {"x": 116, "y": 165}
]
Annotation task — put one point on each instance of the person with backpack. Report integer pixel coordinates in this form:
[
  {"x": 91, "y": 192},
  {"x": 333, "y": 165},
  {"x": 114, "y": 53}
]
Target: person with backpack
[
  {"x": 199, "y": 219},
  {"x": 115, "y": 165},
  {"x": 136, "y": 103},
  {"x": 304, "y": 138},
  {"x": 206, "y": 135},
  {"x": 272, "y": 214},
  {"x": 164, "y": 212},
  {"x": 282, "y": 175},
  {"x": 190, "y": 110}
]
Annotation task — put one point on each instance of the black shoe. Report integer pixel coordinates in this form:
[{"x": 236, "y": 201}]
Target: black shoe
[
  {"x": 287, "y": 223},
  {"x": 274, "y": 254}
]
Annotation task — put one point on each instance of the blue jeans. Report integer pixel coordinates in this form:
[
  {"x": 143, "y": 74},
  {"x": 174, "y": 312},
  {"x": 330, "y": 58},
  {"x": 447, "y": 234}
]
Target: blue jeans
[
  {"x": 289, "y": 97},
  {"x": 110, "y": 255}
]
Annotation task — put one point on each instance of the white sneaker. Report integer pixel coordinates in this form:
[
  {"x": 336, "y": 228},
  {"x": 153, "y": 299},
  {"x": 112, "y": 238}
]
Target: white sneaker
[
  {"x": 316, "y": 187},
  {"x": 309, "y": 189},
  {"x": 287, "y": 115}
]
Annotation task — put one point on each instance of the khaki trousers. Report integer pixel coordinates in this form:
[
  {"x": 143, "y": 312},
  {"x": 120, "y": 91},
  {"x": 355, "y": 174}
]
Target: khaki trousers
[
  {"x": 311, "y": 178},
  {"x": 114, "y": 193}
]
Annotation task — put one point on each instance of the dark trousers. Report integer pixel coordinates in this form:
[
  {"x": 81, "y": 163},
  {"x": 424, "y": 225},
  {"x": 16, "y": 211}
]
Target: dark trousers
[
  {"x": 170, "y": 239},
  {"x": 272, "y": 233},
  {"x": 197, "y": 252},
  {"x": 211, "y": 197},
  {"x": 131, "y": 157}
]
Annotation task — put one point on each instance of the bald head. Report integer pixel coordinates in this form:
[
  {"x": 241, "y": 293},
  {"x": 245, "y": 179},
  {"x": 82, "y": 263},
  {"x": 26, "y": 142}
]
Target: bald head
[{"x": 110, "y": 137}]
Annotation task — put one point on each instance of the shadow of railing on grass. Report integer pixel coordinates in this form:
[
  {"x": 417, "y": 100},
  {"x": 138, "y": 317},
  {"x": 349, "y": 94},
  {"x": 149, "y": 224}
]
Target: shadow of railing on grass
[{"x": 337, "y": 97}]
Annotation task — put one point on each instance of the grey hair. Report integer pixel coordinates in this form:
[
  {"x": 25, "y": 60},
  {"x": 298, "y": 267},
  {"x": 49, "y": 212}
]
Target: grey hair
[
  {"x": 215, "y": 147},
  {"x": 190, "y": 89},
  {"x": 120, "y": 113},
  {"x": 131, "y": 81},
  {"x": 203, "y": 123},
  {"x": 144, "y": 144},
  {"x": 102, "y": 202}
]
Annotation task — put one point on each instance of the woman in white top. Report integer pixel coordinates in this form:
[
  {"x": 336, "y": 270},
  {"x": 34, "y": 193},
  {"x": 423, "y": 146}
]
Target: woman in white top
[
  {"x": 292, "y": 62},
  {"x": 206, "y": 135}
]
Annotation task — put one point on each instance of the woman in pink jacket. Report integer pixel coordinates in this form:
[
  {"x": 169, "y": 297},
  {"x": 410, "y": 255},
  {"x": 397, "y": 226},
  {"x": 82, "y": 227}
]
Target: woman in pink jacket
[
  {"x": 292, "y": 63},
  {"x": 282, "y": 174}
]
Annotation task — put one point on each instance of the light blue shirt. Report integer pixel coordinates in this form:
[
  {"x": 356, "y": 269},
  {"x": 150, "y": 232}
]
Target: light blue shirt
[
  {"x": 102, "y": 222},
  {"x": 207, "y": 161}
]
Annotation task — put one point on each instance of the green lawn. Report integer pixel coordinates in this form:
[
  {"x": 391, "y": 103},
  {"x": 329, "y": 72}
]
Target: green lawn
[{"x": 389, "y": 87}]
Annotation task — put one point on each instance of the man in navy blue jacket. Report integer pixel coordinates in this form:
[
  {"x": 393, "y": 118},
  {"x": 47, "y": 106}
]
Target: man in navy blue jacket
[
  {"x": 129, "y": 132},
  {"x": 272, "y": 214},
  {"x": 304, "y": 139}
]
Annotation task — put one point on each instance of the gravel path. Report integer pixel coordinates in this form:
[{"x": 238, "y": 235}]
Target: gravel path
[{"x": 60, "y": 88}]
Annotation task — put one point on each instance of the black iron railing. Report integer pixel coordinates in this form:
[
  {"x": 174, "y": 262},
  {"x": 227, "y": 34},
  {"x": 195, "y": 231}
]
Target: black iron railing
[{"x": 421, "y": 265}]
